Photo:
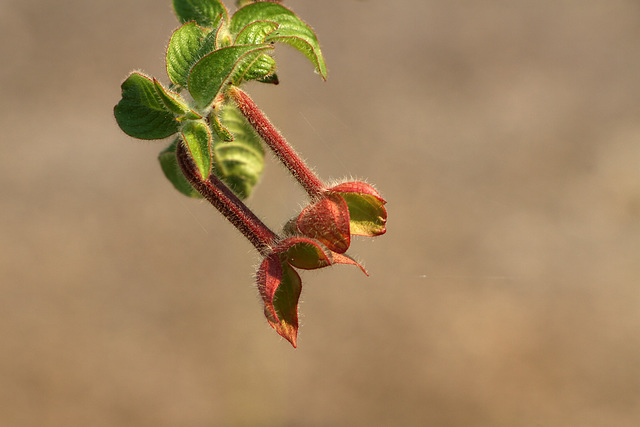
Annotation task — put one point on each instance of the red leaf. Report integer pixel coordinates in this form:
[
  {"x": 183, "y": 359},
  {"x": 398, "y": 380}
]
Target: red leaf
[{"x": 280, "y": 286}]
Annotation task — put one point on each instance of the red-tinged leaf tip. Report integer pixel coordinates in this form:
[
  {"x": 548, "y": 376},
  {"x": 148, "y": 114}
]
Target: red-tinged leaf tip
[
  {"x": 285, "y": 303},
  {"x": 327, "y": 220},
  {"x": 357, "y": 187},
  {"x": 280, "y": 287},
  {"x": 346, "y": 259},
  {"x": 284, "y": 329}
]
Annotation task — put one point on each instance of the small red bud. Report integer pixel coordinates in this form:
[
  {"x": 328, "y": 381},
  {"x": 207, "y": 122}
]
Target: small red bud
[{"x": 328, "y": 221}]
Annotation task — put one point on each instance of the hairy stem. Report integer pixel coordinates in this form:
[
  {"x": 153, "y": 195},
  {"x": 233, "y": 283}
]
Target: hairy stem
[
  {"x": 223, "y": 199},
  {"x": 276, "y": 142}
]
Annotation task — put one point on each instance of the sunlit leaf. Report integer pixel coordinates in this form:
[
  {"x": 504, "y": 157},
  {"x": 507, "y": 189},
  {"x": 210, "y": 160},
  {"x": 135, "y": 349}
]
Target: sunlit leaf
[
  {"x": 367, "y": 213},
  {"x": 291, "y": 30},
  {"x": 209, "y": 74}
]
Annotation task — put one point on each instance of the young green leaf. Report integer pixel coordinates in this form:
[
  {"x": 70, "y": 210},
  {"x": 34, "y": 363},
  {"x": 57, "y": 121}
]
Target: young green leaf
[
  {"x": 169, "y": 165},
  {"x": 209, "y": 75},
  {"x": 291, "y": 30},
  {"x": 170, "y": 100},
  {"x": 255, "y": 32},
  {"x": 263, "y": 66},
  {"x": 367, "y": 215},
  {"x": 220, "y": 131},
  {"x": 207, "y": 13},
  {"x": 141, "y": 113},
  {"x": 197, "y": 137},
  {"x": 238, "y": 163}
]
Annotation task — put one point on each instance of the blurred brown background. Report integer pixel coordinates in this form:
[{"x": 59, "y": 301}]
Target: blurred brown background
[{"x": 505, "y": 136}]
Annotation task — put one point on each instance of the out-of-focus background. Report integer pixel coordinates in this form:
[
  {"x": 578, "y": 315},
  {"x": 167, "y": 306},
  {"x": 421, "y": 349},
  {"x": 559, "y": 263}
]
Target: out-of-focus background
[{"x": 505, "y": 136}]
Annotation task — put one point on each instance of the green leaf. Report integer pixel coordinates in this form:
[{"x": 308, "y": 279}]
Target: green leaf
[
  {"x": 171, "y": 100},
  {"x": 184, "y": 51},
  {"x": 263, "y": 66},
  {"x": 238, "y": 163},
  {"x": 209, "y": 75},
  {"x": 291, "y": 30},
  {"x": 197, "y": 138},
  {"x": 141, "y": 113},
  {"x": 220, "y": 131},
  {"x": 173, "y": 173},
  {"x": 175, "y": 103},
  {"x": 207, "y": 13}
]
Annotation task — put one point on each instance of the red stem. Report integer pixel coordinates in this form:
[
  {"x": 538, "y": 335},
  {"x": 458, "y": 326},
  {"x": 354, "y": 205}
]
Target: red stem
[
  {"x": 223, "y": 199},
  {"x": 263, "y": 127}
]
